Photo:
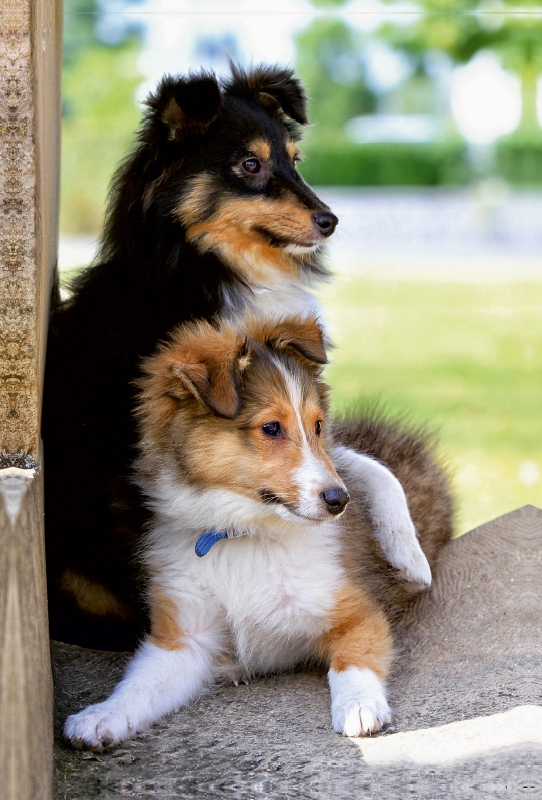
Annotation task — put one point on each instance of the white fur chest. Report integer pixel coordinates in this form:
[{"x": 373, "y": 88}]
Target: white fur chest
[
  {"x": 277, "y": 595},
  {"x": 279, "y": 296},
  {"x": 286, "y": 299},
  {"x": 269, "y": 598}
]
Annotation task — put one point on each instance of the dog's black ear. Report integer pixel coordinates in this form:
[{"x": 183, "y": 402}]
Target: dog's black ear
[
  {"x": 276, "y": 87},
  {"x": 185, "y": 107}
]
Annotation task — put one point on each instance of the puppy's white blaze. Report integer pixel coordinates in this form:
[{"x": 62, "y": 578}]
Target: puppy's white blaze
[
  {"x": 308, "y": 477},
  {"x": 313, "y": 476},
  {"x": 392, "y": 523},
  {"x": 358, "y": 702},
  {"x": 312, "y": 479},
  {"x": 156, "y": 682}
]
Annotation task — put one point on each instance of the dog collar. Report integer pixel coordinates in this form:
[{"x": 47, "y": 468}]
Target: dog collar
[{"x": 209, "y": 538}]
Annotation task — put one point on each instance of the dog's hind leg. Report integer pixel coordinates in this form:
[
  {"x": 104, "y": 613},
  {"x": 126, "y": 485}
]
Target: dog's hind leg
[{"x": 390, "y": 516}]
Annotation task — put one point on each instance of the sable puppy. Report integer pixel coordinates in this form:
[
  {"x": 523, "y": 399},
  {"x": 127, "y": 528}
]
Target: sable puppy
[
  {"x": 207, "y": 217},
  {"x": 236, "y": 442}
]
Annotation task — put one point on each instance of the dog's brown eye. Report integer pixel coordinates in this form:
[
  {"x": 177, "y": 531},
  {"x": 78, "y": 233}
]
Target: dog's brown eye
[
  {"x": 318, "y": 428},
  {"x": 271, "y": 429},
  {"x": 252, "y": 165}
]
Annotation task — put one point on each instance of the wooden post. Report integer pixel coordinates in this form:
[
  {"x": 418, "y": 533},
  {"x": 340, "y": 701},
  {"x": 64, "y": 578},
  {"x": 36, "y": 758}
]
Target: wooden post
[{"x": 30, "y": 60}]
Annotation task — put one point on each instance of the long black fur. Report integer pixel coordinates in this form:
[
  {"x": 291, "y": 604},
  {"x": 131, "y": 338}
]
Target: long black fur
[{"x": 147, "y": 279}]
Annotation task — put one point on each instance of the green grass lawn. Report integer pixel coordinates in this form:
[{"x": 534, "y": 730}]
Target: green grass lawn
[{"x": 464, "y": 358}]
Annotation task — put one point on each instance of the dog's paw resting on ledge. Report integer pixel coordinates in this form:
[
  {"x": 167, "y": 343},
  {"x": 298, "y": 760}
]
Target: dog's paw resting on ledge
[
  {"x": 100, "y": 727},
  {"x": 358, "y": 702},
  {"x": 260, "y": 552}
]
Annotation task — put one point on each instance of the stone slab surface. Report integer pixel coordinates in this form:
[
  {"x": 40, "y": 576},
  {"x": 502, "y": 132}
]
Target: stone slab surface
[{"x": 466, "y": 696}]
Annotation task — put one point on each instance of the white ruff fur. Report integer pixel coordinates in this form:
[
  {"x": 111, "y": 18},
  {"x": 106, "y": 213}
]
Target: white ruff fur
[
  {"x": 276, "y": 294},
  {"x": 266, "y": 605}
]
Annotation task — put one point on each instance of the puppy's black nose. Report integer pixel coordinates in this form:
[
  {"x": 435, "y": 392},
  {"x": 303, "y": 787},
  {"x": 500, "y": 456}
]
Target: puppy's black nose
[
  {"x": 335, "y": 499},
  {"x": 326, "y": 223}
]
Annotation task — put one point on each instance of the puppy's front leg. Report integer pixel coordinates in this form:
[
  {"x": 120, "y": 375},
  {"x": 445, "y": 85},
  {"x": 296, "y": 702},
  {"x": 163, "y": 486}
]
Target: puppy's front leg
[
  {"x": 358, "y": 650},
  {"x": 392, "y": 523},
  {"x": 168, "y": 671}
]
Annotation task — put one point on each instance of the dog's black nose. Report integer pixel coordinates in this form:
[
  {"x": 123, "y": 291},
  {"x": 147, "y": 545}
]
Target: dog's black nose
[
  {"x": 326, "y": 223},
  {"x": 335, "y": 499}
]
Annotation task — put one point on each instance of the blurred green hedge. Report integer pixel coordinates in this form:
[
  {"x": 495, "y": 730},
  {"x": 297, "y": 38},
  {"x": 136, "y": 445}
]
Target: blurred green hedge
[
  {"x": 436, "y": 164},
  {"x": 387, "y": 164},
  {"x": 519, "y": 160}
]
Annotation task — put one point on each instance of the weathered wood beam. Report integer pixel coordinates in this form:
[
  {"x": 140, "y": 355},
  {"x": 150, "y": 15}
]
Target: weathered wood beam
[
  {"x": 26, "y": 725},
  {"x": 30, "y": 59}
]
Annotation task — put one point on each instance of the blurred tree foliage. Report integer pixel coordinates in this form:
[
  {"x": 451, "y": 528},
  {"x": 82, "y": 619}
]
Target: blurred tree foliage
[
  {"x": 330, "y": 60},
  {"x": 330, "y": 63},
  {"x": 99, "y": 111},
  {"x": 461, "y": 28}
]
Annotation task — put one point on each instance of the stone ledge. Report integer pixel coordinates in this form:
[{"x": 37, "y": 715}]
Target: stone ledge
[{"x": 469, "y": 664}]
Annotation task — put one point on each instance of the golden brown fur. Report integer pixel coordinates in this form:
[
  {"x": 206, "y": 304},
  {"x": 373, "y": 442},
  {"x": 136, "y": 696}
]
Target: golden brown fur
[
  {"x": 234, "y": 229},
  {"x": 360, "y": 635},
  {"x": 226, "y": 385}
]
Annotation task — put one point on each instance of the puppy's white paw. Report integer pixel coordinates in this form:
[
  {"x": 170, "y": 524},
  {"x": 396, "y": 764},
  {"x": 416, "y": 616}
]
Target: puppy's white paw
[
  {"x": 397, "y": 536},
  {"x": 99, "y": 727},
  {"x": 358, "y": 702}
]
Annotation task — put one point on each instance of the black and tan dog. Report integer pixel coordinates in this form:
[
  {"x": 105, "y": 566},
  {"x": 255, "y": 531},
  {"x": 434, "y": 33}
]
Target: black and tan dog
[{"x": 207, "y": 217}]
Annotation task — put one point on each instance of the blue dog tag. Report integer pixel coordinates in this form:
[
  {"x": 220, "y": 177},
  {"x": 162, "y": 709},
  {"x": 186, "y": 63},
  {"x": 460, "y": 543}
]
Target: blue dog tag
[{"x": 208, "y": 539}]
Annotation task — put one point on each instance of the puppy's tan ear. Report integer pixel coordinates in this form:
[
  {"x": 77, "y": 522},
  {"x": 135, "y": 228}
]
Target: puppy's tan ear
[
  {"x": 215, "y": 384},
  {"x": 207, "y": 364},
  {"x": 301, "y": 336}
]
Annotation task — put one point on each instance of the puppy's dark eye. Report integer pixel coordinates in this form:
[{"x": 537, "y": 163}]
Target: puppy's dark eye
[
  {"x": 318, "y": 428},
  {"x": 252, "y": 166},
  {"x": 271, "y": 429}
]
